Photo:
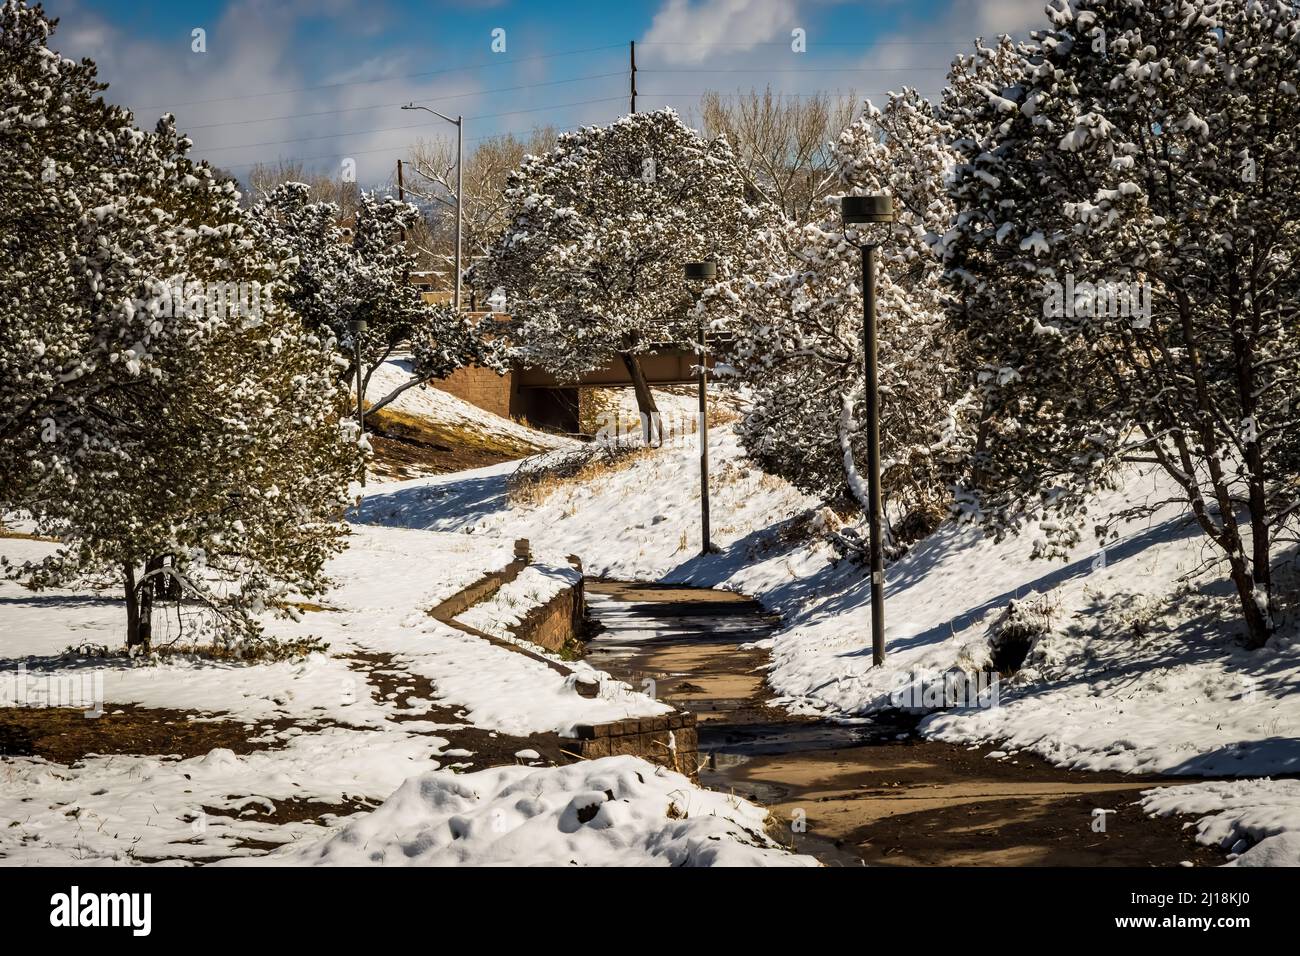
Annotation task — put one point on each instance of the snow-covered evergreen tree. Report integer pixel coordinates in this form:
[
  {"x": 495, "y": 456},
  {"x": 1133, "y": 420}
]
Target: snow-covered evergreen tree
[
  {"x": 334, "y": 274},
  {"x": 1124, "y": 252},
  {"x": 158, "y": 404},
  {"x": 797, "y": 317},
  {"x": 590, "y": 265}
]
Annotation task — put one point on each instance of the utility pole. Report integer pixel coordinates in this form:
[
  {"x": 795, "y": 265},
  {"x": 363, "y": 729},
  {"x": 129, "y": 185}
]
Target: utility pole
[
  {"x": 460, "y": 198},
  {"x": 632, "y": 55},
  {"x": 459, "y": 123},
  {"x": 401, "y": 193},
  {"x": 863, "y": 212}
]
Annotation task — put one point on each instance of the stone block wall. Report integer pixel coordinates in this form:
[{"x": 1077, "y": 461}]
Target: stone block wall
[{"x": 670, "y": 740}]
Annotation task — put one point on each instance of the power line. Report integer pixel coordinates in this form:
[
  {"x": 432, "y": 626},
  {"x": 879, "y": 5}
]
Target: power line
[
  {"x": 382, "y": 149},
  {"x": 836, "y": 69},
  {"x": 389, "y": 79},
  {"x": 390, "y": 129},
  {"x": 436, "y": 99}
]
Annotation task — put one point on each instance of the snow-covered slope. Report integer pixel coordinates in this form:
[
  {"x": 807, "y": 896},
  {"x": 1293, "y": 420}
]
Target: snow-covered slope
[
  {"x": 432, "y": 403},
  {"x": 1140, "y": 670}
]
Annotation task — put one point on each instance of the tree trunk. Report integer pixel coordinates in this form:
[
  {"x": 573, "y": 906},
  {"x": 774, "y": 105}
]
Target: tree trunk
[
  {"x": 147, "y": 591},
  {"x": 132, "y": 607},
  {"x": 651, "y": 429},
  {"x": 1258, "y": 630}
]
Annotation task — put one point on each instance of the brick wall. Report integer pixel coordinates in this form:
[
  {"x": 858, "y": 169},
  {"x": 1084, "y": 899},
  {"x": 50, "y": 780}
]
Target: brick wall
[{"x": 481, "y": 387}]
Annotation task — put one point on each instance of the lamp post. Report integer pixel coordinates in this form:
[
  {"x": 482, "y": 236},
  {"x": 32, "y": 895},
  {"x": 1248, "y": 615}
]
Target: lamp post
[
  {"x": 356, "y": 327},
  {"x": 459, "y": 123},
  {"x": 698, "y": 273},
  {"x": 864, "y": 212}
]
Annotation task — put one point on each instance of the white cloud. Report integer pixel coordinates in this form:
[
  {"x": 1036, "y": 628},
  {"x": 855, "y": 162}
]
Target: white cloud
[
  {"x": 964, "y": 20},
  {"x": 698, "y": 30}
]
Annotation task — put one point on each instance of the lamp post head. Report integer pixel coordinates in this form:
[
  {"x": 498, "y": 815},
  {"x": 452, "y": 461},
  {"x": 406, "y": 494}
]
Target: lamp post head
[
  {"x": 708, "y": 269},
  {"x": 858, "y": 210},
  {"x": 357, "y": 326}
]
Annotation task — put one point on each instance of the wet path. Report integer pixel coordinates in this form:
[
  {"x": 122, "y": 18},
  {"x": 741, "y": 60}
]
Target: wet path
[{"x": 870, "y": 791}]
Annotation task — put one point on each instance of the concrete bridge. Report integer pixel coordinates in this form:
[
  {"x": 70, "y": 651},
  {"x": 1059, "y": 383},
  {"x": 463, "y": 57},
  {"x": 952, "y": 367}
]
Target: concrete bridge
[{"x": 546, "y": 402}]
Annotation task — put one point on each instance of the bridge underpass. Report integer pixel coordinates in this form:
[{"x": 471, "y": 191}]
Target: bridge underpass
[{"x": 547, "y": 402}]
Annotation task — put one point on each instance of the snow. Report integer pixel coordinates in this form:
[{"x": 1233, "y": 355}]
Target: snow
[
  {"x": 446, "y": 409},
  {"x": 124, "y": 809},
  {"x": 537, "y": 584},
  {"x": 1257, "y": 821},
  {"x": 615, "y": 811},
  {"x": 628, "y": 523},
  {"x": 1139, "y": 672}
]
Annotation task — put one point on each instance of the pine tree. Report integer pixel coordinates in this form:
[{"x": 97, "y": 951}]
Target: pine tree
[
  {"x": 164, "y": 415},
  {"x": 335, "y": 274},
  {"x": 599, "y": 229},
  {"x": 1124, "y": 251}
]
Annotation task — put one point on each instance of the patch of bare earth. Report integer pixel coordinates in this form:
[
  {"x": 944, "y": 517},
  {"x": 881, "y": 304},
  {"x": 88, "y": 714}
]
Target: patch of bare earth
[
  {"x": 65, "y": 734},
  {"x": 409, "y": 446}
]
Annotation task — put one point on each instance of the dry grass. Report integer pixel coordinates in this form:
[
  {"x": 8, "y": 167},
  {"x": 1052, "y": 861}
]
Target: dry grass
[
  {"x": 10, "y": 533},
  {"x": 535, "y": 485},
  {"x": 408, "y": 446}
]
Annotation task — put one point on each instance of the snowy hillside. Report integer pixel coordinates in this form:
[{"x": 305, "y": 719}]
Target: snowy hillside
[
  {"x": 1139, "y": 669},
  {"x": 430, "y": 402}
]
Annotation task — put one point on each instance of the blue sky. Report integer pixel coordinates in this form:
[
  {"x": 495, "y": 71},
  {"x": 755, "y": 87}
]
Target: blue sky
[{"x": 322, "y": 80}]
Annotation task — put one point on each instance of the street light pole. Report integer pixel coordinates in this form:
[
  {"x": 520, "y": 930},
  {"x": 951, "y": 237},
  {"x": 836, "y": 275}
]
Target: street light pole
[
  {"x": 863, "y": 211},
  {"x": 699, "y": 272},
  {"x": 459, "y": 123}
]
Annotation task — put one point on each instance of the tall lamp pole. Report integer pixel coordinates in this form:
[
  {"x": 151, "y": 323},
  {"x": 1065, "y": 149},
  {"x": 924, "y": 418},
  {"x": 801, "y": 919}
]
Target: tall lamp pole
[
  {"x": 358, "y": 326},
  {"x": 697, "y": 273},
  {"x": 459, "y": 123},
  {"x": 864, "y": 212}
]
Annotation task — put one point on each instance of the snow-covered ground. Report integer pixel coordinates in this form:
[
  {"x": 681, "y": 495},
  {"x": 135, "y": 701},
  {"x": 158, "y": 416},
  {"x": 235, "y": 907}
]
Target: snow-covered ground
[
  {"x": 138, "y": 808},
  {"x": 328, "y": 736},
  {"x": 1257, "y": 821},
  {"x": 1139, "y": 671},
  {"x": 430, "y": 402},
  {"x": 616, "y": 811},
  {"x": 500, "y": 614}
]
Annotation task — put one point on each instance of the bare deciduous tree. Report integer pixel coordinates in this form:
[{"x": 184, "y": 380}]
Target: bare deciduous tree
[
  {"x": 433, "y": 163},
  {"x": 784, "y": 143},
  {"x": 263, "y": 178}
]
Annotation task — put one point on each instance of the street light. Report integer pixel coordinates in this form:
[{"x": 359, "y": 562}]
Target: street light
[
  {"x": 864, "y": 212},
  {"x": 356, "y": 327},
  {"x": 459, "y": 123},
  {"x": 701, "y": 272}
]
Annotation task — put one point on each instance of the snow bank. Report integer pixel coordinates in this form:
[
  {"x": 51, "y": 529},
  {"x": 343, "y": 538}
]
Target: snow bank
[
  {"x": 1257, "y": 821},
  {"x": 127, "y": 809},
  {"x": 1139, "y": 673},
  {"x": 616, "y": 811}
]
